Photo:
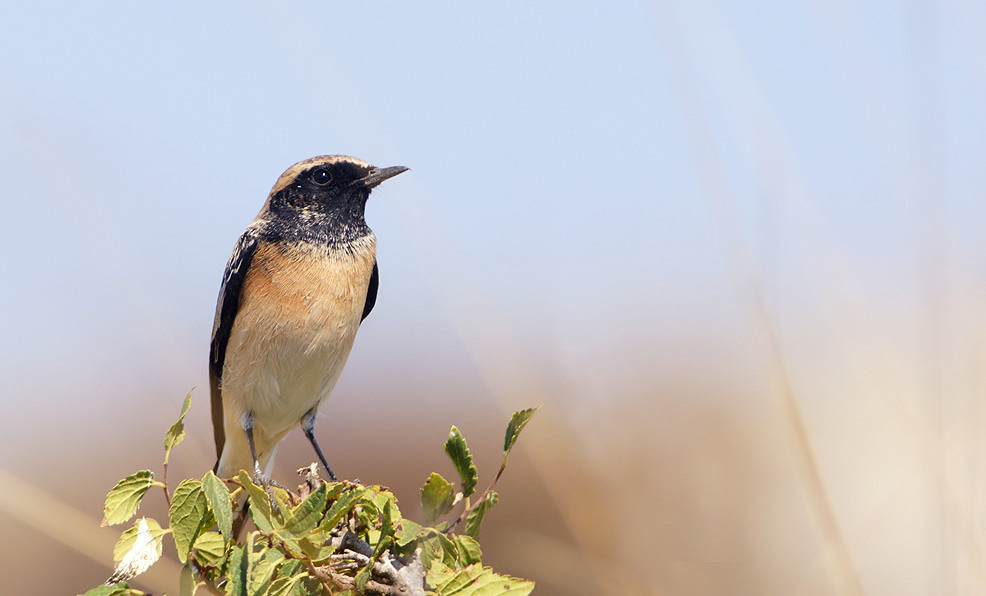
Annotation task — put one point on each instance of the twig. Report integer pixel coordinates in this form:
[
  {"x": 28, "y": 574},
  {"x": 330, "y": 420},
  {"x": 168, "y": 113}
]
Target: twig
[
  {"x": 164, "y": 484},
  {"x": 481, "y": 499}
]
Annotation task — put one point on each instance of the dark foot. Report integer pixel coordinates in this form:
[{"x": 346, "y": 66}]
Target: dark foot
[
  {"x": 308, "y": 427},
  {"x": 268, "y": 483}
]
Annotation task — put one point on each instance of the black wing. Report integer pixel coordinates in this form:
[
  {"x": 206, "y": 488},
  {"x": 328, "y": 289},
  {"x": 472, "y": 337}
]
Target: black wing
[
  {"x": 371, "y": 292},
  {"x": 226, "y": 308}
]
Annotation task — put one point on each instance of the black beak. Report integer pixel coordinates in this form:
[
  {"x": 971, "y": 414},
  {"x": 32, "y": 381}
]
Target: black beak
[{"x": 378, "y": 175}]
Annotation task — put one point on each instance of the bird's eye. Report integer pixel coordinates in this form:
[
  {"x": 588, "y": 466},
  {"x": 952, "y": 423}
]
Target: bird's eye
[{"x": 321, "y": 176}]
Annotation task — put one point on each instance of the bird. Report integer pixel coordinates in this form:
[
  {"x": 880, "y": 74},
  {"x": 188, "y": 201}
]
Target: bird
[{"x": 301, "y": 279}]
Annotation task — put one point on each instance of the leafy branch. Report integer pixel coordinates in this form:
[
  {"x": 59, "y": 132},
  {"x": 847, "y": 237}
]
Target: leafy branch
[{"x": 324, "y": 538}]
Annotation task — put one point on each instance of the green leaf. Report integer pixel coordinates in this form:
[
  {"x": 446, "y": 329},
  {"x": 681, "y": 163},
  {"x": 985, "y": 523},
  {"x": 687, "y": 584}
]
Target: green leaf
[
  {"x": 305, "y": 517},
  {"x": 286, "y": 577},
  {"x": 382, "y": 497},
  {"x": 458, "y": 451},
  {"x": 437, "y": 497},
  {"x": 117, "y": 589},
  {"x": 409, "y": 532},
  {"x": 386, "y": 526},
  {"x": 210, "y": 548},
  {"x": 475, "y": 580},
  {"x": 438, "y": 573},
  {"x": 469, "y": 551},
  {"x": 122, "y": 502},
  {"x": 187, "y": 584},
  {"x": 460, "y": 580},
  {"x": 238, "y": 575},
  {"x": 176, "y": 434},
  {"x": 259, "y": 503},
  {"x": 317, "y": 550},
  {"x": 341, "y": 508},
  {"x": 310, "y": 586},
  {"x": 283, "y": 586},
  {"x": 253, "y": 568},
  {"x": 189, "y": 515},
  {"x": 517, "y": 423},
  {"x": 363, "y": 577},
  {"x": 138, "y": 548},
  {"x": 384, "y": 542},
  {"x": 217, "y": 494},
  {"x": 474, "y": 520},
  {"x": 145, "y": 528},
  {"x": 264, "y": 566},
  {"x": 439, "y": 548}
]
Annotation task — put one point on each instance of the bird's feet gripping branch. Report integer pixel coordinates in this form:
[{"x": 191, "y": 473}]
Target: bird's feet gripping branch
[{"x": 259, "y": 477}]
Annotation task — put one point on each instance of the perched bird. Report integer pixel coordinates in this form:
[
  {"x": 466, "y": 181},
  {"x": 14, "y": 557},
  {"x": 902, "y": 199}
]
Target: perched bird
[{"x": 301, "y": 279}]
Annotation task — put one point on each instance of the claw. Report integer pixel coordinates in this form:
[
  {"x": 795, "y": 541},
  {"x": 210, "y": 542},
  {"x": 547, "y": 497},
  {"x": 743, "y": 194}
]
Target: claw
[{"x": 268, "y": 483}]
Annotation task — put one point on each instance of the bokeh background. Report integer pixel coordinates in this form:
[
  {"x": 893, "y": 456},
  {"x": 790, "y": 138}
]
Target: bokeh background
[{"x": 735, "y": 249}]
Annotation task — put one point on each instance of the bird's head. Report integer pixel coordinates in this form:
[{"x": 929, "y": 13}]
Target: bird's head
[{"x": 332, "y": 185}]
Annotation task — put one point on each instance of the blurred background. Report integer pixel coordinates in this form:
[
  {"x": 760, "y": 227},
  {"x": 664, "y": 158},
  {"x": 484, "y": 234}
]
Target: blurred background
[{"x": 735, "y": 249}]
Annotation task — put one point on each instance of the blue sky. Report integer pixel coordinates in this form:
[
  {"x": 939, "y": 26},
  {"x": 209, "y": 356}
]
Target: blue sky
[
  {"x": 541, "y": 139},
  {"x": 591, "y": 185}
]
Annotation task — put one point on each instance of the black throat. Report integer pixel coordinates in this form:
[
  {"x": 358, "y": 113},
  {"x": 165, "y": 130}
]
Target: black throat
[{"x": 293, "y": 216}]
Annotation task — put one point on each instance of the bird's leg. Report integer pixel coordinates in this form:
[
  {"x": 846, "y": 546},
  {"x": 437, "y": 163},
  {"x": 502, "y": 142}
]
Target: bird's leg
[
  {"x": 308, "y": 425},
  {"x": 258, "y": 475}
]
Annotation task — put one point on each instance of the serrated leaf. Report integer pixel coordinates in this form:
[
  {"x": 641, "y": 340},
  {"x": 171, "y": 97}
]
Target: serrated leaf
[
  {"x": 210, "y": 548},
  {"x": 190, "y": 516},
  {"x": 254, "y": 569},
  {"x": 310, "y": 586},
  {"x": 409, "y": 532},
  {"x": 117, "y": 589},
  {"x": 264, "y": 566},
  {"x": 474, "y": 521},
  {"x": 291, "y": 568},
  {"x": 315, "y": 547},
  {"x": 287, "y": 577},
  {"x": 482, "y": 581},
  {"x": 438, "y": 548},
  {"x": 138, "y": 548},
  {"x": 124, "y": 499},
  {"x": 438, "y": 574},
  {"x": 251, "y": 568},
  {"x": 502, "y": 585},
  {"x": 386, "y": 526},
  {"x": 305, "y": 517},
  {"x": 283, "y": 586},
  {"x": 517, "y": 423},
  {"x": 458, "y": 452},
  {"x": 238, "y": 574},
  {"x": 383, "y": 542},
  {"x": 342, "y": 506},
  {"x": 291, "y": 547},
  {"x": 144, "y": 527},
  {"x": 217, "y": 494},
  {"x": 176, "y": 434},
  {"x": 462, "y": 579},
  {"x": 363, "y": 577},
  {"x": 259, "y": 503},
  {"x": 469, "y": 551},
  {"x": 381, "y": 498},
  {"x": 437, "y": 497}
]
